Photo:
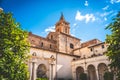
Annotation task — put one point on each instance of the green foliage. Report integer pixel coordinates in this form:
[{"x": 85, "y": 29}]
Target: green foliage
[
  {"x": 14, "y": 49},
  {"x": 83, "y": 76},
  {"x": 108, "y": 76},
  {"x": 114, "y": 44},
  {"x": 41, "y": 79}
]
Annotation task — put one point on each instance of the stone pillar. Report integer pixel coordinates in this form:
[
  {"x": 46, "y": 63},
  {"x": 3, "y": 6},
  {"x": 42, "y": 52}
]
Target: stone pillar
[
  {"x": 73, "y": 71},
  {"x": 97, "y": 74},
  {"x": 33, "y": 75},
  {"x": 74, "y": 75},
  {"x": 85, "y": 66},
  {"x": 33, "y": 71},
  {"x": 49, "y": 71},
  {"x": 52, "y": 71}
]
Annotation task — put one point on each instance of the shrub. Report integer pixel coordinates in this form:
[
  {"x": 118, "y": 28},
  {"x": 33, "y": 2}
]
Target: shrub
[
  {"x": 108, "y": 76},
  {"x": 41, "y": 79},
  {"x": 83, "y": 76},
  {"x": 61, "y": 79}
]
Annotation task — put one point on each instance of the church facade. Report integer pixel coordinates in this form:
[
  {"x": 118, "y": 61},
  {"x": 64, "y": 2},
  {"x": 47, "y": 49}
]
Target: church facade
[{"x": 61, "y": 56}]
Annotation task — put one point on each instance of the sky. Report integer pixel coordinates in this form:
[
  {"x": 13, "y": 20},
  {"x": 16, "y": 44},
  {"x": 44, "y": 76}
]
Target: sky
[{"x": 87, "y": 18}]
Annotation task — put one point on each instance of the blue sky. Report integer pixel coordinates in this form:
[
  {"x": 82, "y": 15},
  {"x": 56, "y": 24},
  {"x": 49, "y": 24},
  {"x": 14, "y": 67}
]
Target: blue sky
[{"x": 87, "y": 18}]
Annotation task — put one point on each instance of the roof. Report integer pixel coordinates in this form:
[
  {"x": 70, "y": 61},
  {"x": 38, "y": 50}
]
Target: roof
[
  {"x": 90, "y": 42},
  {"x": 62, "y": 20},
  {"x": 96, "y": 44},
  {"x": 46, "y": 39},
  {"x": 70, "y": 36},
  {"x": 56, "y": 51}
]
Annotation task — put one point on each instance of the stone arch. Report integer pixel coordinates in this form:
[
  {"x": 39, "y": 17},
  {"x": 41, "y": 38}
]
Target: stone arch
[
  {"x": 102, "y": 68},
  {"x": 91, "y": 72},
  {"x": 34, "y": 54},
  {"x": 79, "y": 70},
  {"x": 41, "y": 71}
]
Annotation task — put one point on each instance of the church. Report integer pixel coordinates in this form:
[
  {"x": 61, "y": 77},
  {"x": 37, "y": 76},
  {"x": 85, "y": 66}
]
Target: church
[{"x": 61, "y": 56}]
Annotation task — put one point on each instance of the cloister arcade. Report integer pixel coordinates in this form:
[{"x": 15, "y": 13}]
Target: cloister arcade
[
  {"x": 94, "y": 68},
  {"x": 91, "y": 73},
  {"x": 79, "y": 70}
]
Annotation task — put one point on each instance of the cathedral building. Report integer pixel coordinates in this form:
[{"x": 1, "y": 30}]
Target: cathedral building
[{"x": 61, "y": 56}]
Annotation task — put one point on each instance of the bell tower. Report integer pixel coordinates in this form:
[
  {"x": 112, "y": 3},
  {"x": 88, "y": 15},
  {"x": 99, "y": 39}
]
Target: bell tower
[{"x": 62, "y": 25}]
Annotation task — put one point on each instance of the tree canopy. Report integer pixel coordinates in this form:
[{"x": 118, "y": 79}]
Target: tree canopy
[
  {"x": 113, "y": 40},
  {"x": 14, "y": 49}
]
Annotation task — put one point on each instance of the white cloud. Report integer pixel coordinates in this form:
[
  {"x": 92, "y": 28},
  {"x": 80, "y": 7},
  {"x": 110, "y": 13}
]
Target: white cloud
[
  {"x": 50, "y": 29},
  {"x": 72, "y": 34},
  {"x": 106, "y": 7},
  {"x": 1, "y": 8},
  {"x": 74, "y": 27},
  {"x": 114, "y": 1},
  {"x": 106, "y": 13},
  {"x": 78, "y": 16},
  {"x": 74, "y": 24},
  {"x": 86, "y": 3},
  {"x": 111, "y": 1},
  {"x": 117, "y": 1},
  {"x": 87, "y": 17},
  {"x": 105, "y": 19}
]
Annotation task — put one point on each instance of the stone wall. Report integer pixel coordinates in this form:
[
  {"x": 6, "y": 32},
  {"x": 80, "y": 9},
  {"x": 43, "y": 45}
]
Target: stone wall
[
  {"x": 65, "y": 41},
  {"x": 40, "y": 42},
  {"x": 85, "y": 63},
  {"x": 91, "y": 49},
  {"x": 64, "y": 69}
]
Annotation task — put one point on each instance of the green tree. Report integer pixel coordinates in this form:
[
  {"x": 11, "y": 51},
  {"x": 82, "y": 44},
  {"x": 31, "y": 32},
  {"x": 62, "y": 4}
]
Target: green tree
[
  {"x": 113, "y": 40},
  {"x": 83, "y": 76},
  {"x": 108, "y": 76},
  {"x": 14, "y": 49}
]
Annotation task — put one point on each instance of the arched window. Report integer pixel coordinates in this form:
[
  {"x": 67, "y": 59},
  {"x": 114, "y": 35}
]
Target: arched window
[
  {"x": 102, "y": 68},
  {"x": 32, "y": 41},
  {"x": 79, "y": 70},
  {"x": 34, "y": 54},
  {"x": 41, "y": 71},
  {"x": 102, "y": 46},
  {"x": 51, "y": 36},
  {"x": 58, "y": 30},
  {"x": 50, "y": 46},
  {"x": 91, "y": 49},
  {"x": 65, "y": 30},
  {"x": 41, "y": 44},
  {"x": 71, "y": 46},
  {"x": 91, "y": 72}
]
